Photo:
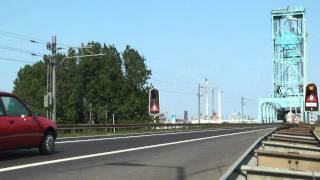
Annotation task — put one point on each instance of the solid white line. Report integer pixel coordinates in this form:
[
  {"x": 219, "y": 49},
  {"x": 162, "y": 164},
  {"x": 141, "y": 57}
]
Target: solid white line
[
  {"x": 119, "y": 151},
  {"x": 137, "y": 136}
]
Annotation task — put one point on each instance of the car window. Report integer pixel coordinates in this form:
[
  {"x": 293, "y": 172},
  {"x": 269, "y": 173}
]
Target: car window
[
  {"x": 14, "y": 107},
  {"x": 1, "y": 110}
]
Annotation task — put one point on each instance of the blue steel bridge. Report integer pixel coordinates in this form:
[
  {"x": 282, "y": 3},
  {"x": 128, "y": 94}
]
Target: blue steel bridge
[{"x": 289, "y": 58}]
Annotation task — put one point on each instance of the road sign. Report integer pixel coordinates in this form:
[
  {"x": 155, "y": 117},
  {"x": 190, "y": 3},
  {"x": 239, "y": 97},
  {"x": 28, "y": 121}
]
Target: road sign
[
  {"x": 311, "y": 98},
  {"x": 154, "y": 101}
]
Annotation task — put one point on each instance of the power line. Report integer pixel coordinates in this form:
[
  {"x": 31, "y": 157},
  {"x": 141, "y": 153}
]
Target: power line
[
  {"x": 237, "y": 97},
  {"x": 188, "y": 80},
  {"x": 230, "y": 101},
  {"x": 16, "y": 60},
  {"x": 176, "y": 92},
  {"x": 172, "y": 83},
  {"x": 174, "y": 77},
  {"x": 23, "y": 37},
  {"x": 29, "y": 38},
  {"x": 20, "y": 50},
  {"x": 227, "y": 98}
]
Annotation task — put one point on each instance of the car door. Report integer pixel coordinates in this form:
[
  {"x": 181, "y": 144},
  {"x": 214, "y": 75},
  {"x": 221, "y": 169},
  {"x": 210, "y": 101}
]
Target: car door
[
  {"x": 25, "y": 129},
  {"x": 5, "y": 130}
]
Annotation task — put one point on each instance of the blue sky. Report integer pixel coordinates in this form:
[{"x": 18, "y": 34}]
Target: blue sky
[{"x": 229, "y": 42}]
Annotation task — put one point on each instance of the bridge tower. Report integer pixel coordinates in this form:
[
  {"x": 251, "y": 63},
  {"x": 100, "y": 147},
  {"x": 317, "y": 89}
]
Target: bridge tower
[{"x": 289, "y": 67}]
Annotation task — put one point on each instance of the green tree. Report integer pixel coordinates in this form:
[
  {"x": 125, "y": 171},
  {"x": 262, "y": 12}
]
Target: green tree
[
  {"x": 116, "y": 81},
  {"x": 135, "y": 90},
  {"x": 30, "y": 85}
]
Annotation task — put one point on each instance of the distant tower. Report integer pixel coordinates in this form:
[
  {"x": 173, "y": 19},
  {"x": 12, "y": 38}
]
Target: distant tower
[
  {"x": 206, "y": 99},
  {"x": 185, "y": 117},
  {"x": 219, "y": 105},
  {"x": 213, "y": 104},
  {"x": 289, "y": 66}
]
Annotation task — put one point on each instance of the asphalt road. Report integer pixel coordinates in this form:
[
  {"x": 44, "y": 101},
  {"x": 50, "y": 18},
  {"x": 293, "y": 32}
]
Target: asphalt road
[{"x": 183, "y": 155}]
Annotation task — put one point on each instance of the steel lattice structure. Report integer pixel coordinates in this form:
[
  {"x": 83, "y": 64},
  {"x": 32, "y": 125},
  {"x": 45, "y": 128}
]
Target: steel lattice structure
[{"x": 289, "y": 67}]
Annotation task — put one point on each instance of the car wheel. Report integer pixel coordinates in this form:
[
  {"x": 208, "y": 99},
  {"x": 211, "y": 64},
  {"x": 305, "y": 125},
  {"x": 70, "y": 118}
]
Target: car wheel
[{"x": 47, "y": 144}]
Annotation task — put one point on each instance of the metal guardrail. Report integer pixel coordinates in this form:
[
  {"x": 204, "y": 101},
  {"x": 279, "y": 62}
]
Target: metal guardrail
[
  {"x": 82, "y": 128},
  {"x": 243, "y": 157},
  {"x": 316, "y": 132},
  {"x": 285, "y": 158}
]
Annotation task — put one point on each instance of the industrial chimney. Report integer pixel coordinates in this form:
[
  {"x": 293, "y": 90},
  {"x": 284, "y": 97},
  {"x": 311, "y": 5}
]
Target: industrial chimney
[
  {"x": 219, "y": 105},
  {"x": 206, "y": 99}
]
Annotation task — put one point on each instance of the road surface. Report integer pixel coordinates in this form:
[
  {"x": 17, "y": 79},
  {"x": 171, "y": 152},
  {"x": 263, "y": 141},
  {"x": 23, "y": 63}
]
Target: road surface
[{"x": 177, "y": 156}]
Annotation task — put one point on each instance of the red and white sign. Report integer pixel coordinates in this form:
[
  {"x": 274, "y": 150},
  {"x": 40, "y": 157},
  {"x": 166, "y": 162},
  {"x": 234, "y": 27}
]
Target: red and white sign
[
  {"x": 311, "y": 104},
  {"x": 155, "y": 108},
  {"x": 312, "y": 98},
  {"x": 311, "y": 101}
]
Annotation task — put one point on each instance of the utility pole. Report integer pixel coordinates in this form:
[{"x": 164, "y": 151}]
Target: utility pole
[
  {"x": 90, "y": 113},
  {"x": 50, "y": 97},
  {"x": 47, "y": 97},
  {"x": 107, "y": 113},
  {"x": 54, "y": 50},
  {"x": 51, "y": 80},
  {"x": 199, "y": 87},
  {"x": 242, "y": 104},
  {"x": 114, "y": 128}
]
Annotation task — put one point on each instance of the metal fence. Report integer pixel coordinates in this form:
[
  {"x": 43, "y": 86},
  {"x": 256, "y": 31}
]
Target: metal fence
[{"x": 109, "y": 128}]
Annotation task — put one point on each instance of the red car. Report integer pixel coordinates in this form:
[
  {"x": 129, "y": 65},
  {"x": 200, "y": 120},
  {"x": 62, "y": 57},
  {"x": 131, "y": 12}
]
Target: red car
[{"x": 19, "y": 128}]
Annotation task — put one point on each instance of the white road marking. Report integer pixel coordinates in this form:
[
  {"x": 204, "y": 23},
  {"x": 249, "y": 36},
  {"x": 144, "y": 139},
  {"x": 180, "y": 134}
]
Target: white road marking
[
  {"x": 137, "y": 136},
  {"x": 120, "y": 151}
]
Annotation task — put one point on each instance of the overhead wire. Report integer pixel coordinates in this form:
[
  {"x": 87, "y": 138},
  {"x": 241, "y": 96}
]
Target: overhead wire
[
  {"x": 179, "y": 85},
  {"x": 30, "y": 38},
  {"x": 23, "y": 37},
  {"x": 236, "y": 99},
  {"x": 42, "y": 41},
  {"x": 5, "y": 47},
  {"x": 189, "y": 80},
  {"x": 16, "y": 60},
  {"x": 172, "y": 83},
  {"x": 180, "y": 92}
]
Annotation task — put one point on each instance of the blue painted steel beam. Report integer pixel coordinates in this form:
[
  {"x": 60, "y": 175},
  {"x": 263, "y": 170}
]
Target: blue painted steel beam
[{"x": 289, "y": 66}]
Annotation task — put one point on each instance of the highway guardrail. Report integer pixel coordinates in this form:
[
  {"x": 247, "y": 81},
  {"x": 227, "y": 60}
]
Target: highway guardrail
[
  {"x": 290, "y": 152},
  {"x": 123, "y": 128}
]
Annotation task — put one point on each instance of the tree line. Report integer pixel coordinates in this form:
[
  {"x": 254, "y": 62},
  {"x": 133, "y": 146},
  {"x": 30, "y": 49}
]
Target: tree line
[{"x": 115, "y": 83}]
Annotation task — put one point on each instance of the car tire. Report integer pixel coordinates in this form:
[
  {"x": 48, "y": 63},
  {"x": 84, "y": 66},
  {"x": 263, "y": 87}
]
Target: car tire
[{"x": 47, "y": 144}]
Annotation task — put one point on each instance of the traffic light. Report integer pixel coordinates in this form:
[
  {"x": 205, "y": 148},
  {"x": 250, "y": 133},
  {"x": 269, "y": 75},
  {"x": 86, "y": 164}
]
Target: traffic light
[
  {"x": 311, "y": 98},
  {"x": 154, "y": 101}
]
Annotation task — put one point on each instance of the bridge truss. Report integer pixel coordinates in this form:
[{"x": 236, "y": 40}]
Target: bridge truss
[{"x": 289, "y": 67}]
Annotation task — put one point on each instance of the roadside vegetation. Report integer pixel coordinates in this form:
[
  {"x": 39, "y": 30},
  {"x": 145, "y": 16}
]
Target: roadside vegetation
[{"x": 116, "y": 83}]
